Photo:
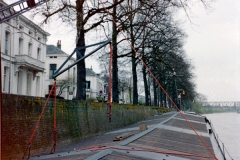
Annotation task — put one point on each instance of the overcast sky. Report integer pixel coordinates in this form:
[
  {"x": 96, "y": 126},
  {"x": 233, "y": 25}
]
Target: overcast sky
[{"x": 212, "y": 46}]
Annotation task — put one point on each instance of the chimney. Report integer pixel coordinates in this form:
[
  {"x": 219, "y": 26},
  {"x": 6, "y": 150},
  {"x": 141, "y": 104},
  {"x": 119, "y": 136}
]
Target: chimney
[{"x": 59, "y": 44}]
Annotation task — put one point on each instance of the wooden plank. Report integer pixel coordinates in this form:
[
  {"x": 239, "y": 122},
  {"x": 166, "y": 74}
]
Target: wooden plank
[
  {"x": 168, "y": 134},
  {"x": 123, "y": 136},
  {"x": 192, "y": 117},
  {"x": 174, "y": 141},
  {"x": 133, "y": 145},
  {"x": 183, "y": 124}
]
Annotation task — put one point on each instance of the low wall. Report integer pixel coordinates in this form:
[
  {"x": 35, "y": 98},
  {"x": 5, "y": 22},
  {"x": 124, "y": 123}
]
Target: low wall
[{"x": 75, "y": 121}]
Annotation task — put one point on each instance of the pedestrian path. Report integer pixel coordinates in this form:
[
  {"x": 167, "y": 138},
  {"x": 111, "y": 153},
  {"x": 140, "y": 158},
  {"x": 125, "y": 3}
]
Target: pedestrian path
[{"x": 166, "y": 137}]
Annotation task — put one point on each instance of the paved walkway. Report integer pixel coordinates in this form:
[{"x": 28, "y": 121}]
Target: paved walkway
[{"x": 167, "y": 137}]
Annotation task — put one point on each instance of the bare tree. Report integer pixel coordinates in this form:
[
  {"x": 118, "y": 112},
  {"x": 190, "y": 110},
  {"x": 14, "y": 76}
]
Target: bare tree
[{"x": 85, "y": 15}]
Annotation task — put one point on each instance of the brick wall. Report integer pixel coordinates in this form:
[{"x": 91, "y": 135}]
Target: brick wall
[{"x": 75, "y": 120}]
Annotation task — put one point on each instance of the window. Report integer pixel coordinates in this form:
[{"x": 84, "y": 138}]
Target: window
[
  {"x": 7, "y": 42},
  {"x": 29, "y": 49},
  {"x": 68, "y": 72},
  {"x": 30, "y": 32},
  {"x": 52, "y": 69},
  {"x": 38, "y": 86},
  {"x": 9, "y": 21},
  {"x": 73, "y": 90},
  {"x": 19, "y": 82},
  {"x": 99, "y": 85},
  {"x": 21, "y": 27},
  {"x": 5, "y": 79},
  {"x": 88, "y": 85},
  {"x": 49, "y": 89},
  {"x": 74, "y": 76},
  {"x": 39, "y": 53},
  {"x": 105, "y": 89},
  {"x": 20, "y": 47},
  {"x": 29, "y": 84}
]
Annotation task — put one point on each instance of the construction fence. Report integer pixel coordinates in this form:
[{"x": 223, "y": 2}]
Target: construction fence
[{"x": 75, "y": 120}]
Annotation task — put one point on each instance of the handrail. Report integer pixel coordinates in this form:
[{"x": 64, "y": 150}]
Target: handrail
[{"x": 222, "y": 149}]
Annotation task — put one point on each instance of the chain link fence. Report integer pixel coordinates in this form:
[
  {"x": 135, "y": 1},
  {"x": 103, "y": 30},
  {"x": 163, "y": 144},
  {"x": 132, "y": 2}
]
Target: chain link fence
[{"x": 75, "y": 120}]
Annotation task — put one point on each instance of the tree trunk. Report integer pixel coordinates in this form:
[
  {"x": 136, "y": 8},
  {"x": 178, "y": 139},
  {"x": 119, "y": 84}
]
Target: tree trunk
[
  {"x": 134, "y": 65},
  {"x": 149, "y": 90},
  {"x": 134, "y": 72},
  {"x": 145, "y": 86},
  {"x": 81, "y": 70},
  {"x": 154, "y": 93},
  {"x": 164, "y": 97},
  {"x": 159, "y": 97},
  {"x": 115, "y": 89}
]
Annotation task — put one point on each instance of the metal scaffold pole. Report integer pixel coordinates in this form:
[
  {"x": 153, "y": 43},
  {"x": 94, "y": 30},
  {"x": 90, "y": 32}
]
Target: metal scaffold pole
[{"x": 1, "y": 101}]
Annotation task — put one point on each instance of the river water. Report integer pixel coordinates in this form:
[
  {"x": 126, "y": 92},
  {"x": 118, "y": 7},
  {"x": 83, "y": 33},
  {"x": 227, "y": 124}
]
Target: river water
[{"x": 227, "y": 126}]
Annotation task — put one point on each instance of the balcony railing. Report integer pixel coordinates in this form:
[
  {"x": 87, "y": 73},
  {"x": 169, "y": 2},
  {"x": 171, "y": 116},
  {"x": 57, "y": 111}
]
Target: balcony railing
[{"x": 29, "y": 62}]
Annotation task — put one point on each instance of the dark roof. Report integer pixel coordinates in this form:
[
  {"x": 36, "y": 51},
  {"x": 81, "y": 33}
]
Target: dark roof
[
  {"x": 90, "y": 72},
  {"x": 51, "y": 49}
]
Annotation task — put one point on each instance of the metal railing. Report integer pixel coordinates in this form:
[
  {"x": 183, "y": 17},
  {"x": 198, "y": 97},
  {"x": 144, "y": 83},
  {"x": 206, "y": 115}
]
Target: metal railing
[{"x": 220, "y": 144}]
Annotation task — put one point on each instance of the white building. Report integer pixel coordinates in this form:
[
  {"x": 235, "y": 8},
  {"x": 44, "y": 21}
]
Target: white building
[
  {"x": 55, "y": 57},
  {"x": 94, "y": 84},
  {"x": 23, "y": 52}
]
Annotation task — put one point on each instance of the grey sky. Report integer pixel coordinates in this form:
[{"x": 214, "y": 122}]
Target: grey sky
[{"x": 212, "y": 46}]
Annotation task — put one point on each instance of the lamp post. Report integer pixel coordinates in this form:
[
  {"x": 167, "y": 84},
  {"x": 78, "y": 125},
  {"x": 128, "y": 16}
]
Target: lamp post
[
  {"x": 175, "y": 81},
  {"x": 174, "y": 74},
  {"x": 179, "y": 101},
  {"x": 182, "y": 92}
]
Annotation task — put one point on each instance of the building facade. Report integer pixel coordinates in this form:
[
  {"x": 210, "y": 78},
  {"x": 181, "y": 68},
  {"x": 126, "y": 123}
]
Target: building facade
[
  {"x": 66, "y": 82},
  {"x": 95, "y": 85},
  {"x": 23, "y": 52}
]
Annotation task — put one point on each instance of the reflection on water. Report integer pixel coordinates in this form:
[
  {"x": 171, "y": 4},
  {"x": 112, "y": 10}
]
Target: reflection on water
[{"x": 227, "y": 126}]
